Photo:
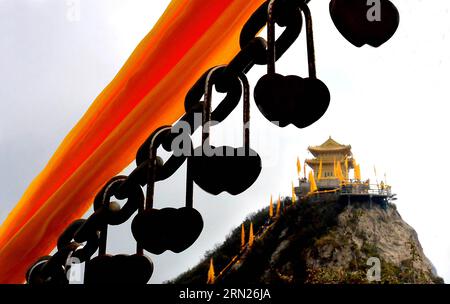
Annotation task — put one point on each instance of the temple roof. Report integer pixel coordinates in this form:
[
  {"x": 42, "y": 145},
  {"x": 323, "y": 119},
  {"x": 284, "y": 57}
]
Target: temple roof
[{"x": 330, "y": 145}]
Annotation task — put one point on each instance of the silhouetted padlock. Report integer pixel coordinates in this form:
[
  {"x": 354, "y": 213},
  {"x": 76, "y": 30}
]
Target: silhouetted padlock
[
  {"x": 365, "y": 22},
  {"x": 285, "y": 100},
  {"x": 158, "y": 230},
  {"x": 116, "y": 269},
  {"x": 225, "y": 168}
]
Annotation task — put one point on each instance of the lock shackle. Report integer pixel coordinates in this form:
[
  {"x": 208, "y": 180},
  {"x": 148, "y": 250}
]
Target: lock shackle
[
  {"x": 271, "y": 56},
  {"x": 206, "y": 117},
  {"x": 309, "y": 41},
  {"x": 206, "y": 113},
  {"x": 156, "y": 139},
  {"x": 189, "y": 202},
  {"x": 103, "y": 237},
  {"x": 246, "y": 111}
]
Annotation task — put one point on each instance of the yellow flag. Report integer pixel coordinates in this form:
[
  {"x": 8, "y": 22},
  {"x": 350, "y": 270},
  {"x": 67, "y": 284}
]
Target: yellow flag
[
  {"x": 357, "y": 172},
  {"x": 242, "y": 236},
  {"x": 251, "y": 237},
  {"x": 294, "y": 197},
  {"x": 211, "y": 274},
  {"x": 319, "y": 174},
  {"x": 339, "y": 173},
  {"x": 334, "y": 168},
  {"x": 312, "y": 183},
  {"x": 271, "y": 207},
  {"x": 278, "y": 206},
  {"x": 346, "y": 167},
  {"x": 299, "y": 167}
]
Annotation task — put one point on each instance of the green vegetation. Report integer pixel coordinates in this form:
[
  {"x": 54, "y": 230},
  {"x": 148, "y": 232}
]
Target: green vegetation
[
  {"x": 281, "y": 256},
  {"x": 305, "y": 223}
]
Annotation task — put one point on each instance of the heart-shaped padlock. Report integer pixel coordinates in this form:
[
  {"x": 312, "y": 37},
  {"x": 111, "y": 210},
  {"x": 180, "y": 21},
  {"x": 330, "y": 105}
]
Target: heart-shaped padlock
[
  {"x": 365, "y": 22},
  {"x": 116, "y": 269},
  {"x": 285, "y": 100},
  {"x": 158, "y": 230},
  {"x": 225, "y": 168}
]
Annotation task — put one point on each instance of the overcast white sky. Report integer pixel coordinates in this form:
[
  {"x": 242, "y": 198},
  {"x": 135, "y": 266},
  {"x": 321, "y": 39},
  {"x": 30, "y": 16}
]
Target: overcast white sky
[{"x": 391, "y": 104}]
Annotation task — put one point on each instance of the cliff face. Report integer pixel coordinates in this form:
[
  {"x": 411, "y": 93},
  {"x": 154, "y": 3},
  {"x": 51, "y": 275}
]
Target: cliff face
[
  {"x": 342, "y": 253},
  {"x": 324, "y": 242}
]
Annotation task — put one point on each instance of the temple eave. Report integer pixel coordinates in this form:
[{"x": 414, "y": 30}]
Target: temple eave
[{"x": 329, "y": 149}]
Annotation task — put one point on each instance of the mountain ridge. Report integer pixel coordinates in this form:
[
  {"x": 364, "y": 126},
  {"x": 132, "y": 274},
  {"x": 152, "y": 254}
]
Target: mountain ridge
[{"x": 325, "y": 241}]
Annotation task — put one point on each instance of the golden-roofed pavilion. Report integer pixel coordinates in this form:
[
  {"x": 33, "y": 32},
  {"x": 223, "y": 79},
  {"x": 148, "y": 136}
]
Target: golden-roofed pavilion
[{"x": 330, "y": 160}]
